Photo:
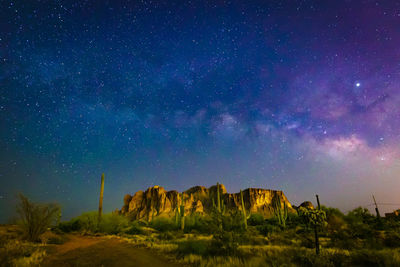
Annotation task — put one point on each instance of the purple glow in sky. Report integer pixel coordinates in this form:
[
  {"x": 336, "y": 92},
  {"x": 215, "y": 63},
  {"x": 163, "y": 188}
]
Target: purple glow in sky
[{"x": 301, "y": 96}]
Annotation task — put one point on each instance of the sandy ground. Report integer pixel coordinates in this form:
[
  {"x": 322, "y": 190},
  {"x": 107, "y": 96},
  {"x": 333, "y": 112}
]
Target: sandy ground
[{"x": 100, "y": 251}]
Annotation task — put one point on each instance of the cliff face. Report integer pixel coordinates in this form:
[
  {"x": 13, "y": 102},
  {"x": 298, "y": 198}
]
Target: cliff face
[{"x": 155, "y": 201}]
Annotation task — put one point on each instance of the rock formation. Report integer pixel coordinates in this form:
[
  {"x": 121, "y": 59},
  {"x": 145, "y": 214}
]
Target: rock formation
[
  {"x": 156, "y": 201},
  {"x": 307, "y": 205}
]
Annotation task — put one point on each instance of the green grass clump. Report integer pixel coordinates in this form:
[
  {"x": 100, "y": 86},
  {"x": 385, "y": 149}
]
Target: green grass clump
[
  {"x": 224, "y": 243},
  {"x": 20, "y": 253},
  {"x": 255, "y": 219},
  {"x": 113, "y": 223},
  {"x": 89, "y": 223},
  {"x": 196, "y": 223},
  {"x": 134, "y": 229},
  {"x": 163, "y": 224},
  {"x": 197, "y": 247},
  {"x": 69, "y": 226}
]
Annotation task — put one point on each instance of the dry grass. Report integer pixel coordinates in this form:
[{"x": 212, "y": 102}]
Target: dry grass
[
  {"x": 21, "y": 253},
  {"x": 16, "y": 252}
]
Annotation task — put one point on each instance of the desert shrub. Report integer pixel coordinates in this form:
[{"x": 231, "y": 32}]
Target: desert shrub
[
  {"x": 163, "y": 224},
  {"x": 307, "y": 241},
  {"x": 134, "y": 229},
  {"x": 361, "y": 230},
  {"x": 329, "y": 211},
  {"x": 309, "y": 258},
  {"x": 251, "y": 237},
  {"x": 233, "y": 222},
  {"x": 198, "y": 247},
  {"x": 33, "y": 259},
  {"x": 360, "y": 216},
  {"x": 293, "y": 220},
  {"x": 50, "y": 237},
  {"x": 224, "y": 243},
  {"x": 255, "y": 219},
  {"x": 375, "y": 258},
  {"x": 306, "y": 257},
  {"x": 267, "y": 229},
  {"x": 17, "y": 253},
  {"x": 392, "y": 239},
  {"x": 269, "y": 226},
  {"x": 36, "y": 218},
  {"x": 334, "y": 223},
  {"x": 88, "y": 222},
  {"x": 197, "y": 223},
  {"x": 166, "y": 236},
  {"x": 344, "y": 239},
  {"x": 56, "y": 240},
  {"x": 113, "y": 223},
  {"x": 69, "y": 226},
  {"x": 391, "y": 224}
]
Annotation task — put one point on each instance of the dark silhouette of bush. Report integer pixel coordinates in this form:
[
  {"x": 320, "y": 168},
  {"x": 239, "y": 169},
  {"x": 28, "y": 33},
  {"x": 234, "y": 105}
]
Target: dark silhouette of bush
[
  {"x": 267, "y": 228},
  {"x": 88, "y": 222},
  {"x": 163, "y": 224},
  {"x": 392, "y": 239},
  {"x": 198, "y": 247},
  {"x": 197, "y": 223},
  {"x": 255, "y": 219},
  {"x": 134, "y": 229},
  {"x": 113, "y": 223},
  {"x": 36, "y": 218},
  {"x": 166, "y": 236},
  {"x": 224, "y": 243},
  {"x": 359, "y": 216},
  {"x": 374, "y": 258},
  {"x": 69, "y": 226}
]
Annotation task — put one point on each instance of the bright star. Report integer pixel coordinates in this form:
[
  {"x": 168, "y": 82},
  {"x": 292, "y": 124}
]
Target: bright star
[{"x": 358, "y": 84}]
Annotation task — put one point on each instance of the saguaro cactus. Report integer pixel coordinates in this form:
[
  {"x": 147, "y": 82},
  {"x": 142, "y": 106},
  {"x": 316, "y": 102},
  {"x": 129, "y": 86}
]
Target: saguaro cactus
[
  {"x": 245, "y": 217},
  {"x": 280, "y": 213},
  {"x": 101, "y": 196},
  {"x": 314, "y": 218},
  {"x": 177, "y": 212},
  {"x": 220, "y": 207},
  {"x": 180, "y": 213}
]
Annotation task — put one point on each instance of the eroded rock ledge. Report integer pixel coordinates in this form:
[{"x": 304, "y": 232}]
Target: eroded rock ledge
[{"x": 156, "y": 201}]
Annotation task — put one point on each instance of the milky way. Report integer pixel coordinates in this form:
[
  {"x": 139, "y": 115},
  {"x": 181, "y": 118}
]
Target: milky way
[{"x": 301, "y": 96}]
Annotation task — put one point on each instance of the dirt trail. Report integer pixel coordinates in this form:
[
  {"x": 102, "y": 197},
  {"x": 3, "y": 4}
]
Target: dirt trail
[{"x": 100, "y": 251}]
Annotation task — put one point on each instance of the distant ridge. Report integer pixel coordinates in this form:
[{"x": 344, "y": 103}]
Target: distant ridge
[{"x": 156, "y": 201}]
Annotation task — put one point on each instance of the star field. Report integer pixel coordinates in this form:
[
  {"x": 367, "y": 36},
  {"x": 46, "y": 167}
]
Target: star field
[{"x": 301, "y": 96}]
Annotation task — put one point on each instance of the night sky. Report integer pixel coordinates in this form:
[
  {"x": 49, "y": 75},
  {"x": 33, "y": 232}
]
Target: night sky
[{"x": 300, "y": 96}]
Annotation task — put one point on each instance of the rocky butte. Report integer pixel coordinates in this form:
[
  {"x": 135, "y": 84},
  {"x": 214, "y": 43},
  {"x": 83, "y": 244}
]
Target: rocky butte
[{"x": 156, "y": 201}]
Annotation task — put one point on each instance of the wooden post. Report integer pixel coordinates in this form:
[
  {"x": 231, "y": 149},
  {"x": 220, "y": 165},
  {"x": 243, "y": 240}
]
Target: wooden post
[
  {"x": 316, "y": 240},
  {"x": 319, "y": 206},
  {"x": 101, "y": 196},
  {"x": 376, "y": 208}
]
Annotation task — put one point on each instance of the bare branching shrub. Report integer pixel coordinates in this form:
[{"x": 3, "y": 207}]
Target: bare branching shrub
[{"x": 36, "y": 218}]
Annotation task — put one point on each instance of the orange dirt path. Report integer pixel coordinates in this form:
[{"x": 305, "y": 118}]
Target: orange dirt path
[{"x": 100, "y": 251}]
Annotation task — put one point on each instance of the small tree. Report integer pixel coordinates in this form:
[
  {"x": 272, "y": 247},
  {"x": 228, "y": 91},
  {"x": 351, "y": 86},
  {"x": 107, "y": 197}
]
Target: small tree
[{"x": 36, "y": 218}]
